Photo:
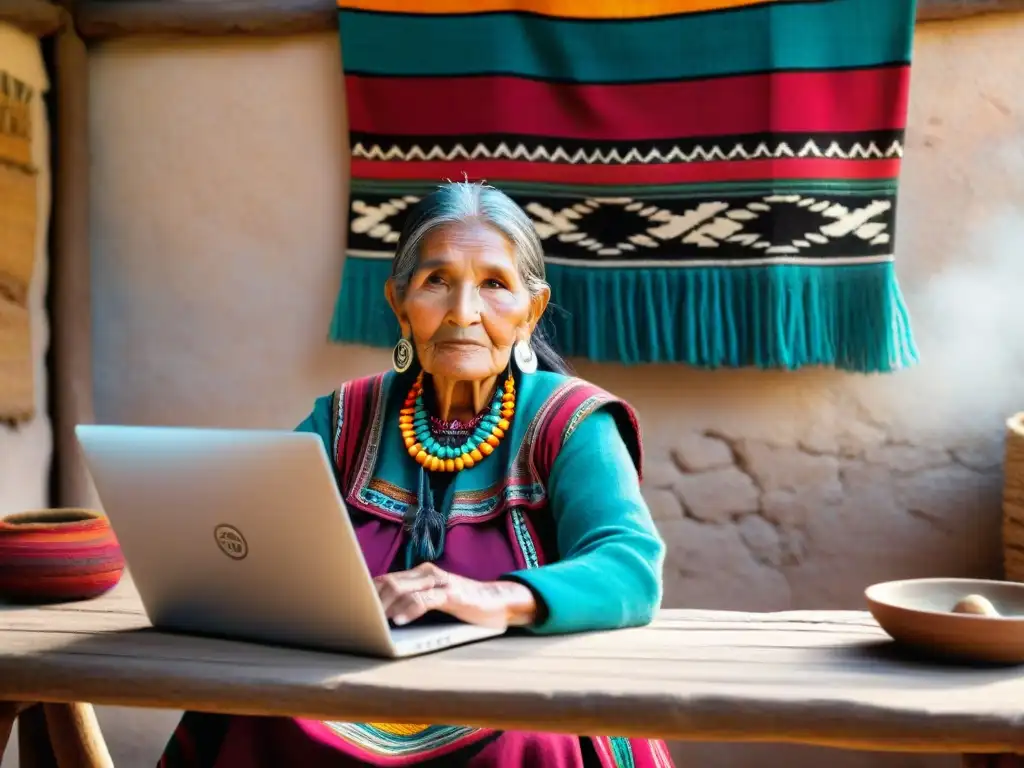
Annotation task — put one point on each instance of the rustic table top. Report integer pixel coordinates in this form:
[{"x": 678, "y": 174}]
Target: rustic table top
[{"x": 815, "y": 677}]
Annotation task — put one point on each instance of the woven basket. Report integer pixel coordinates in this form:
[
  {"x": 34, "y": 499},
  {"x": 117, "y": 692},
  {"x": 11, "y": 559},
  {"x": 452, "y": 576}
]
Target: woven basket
[
  {"x": 17, "y": 369},
  {"x": 18, "y": 219},
  {"x": 57, "y": 555},
  {"x": 1013, "y": 499}
]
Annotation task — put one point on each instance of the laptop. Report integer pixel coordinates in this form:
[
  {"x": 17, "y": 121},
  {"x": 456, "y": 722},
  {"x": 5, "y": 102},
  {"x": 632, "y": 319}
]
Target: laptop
[{"x": 243, "y": 534}]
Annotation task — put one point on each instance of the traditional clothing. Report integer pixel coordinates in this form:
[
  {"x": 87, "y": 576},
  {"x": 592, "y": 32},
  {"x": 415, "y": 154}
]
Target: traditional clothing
[{"x": 555, "y": 506}]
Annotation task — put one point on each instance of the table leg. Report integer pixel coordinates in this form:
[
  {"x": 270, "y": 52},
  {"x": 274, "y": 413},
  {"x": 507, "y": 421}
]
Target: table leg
[
  {"x": 8, "y": 714},
  {"x": 34, "y": 749},
  {"x": 992, "y": 761},
  {"x": 76, "y": 737}
]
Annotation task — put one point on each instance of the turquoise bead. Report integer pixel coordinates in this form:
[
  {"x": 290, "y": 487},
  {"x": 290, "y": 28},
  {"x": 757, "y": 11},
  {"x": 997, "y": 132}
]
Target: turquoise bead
[{"x": 420, "y": 426}]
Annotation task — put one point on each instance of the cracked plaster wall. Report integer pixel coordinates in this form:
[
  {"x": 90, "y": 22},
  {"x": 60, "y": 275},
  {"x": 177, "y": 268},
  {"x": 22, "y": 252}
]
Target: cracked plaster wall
[{"x": 217, "y": 219}]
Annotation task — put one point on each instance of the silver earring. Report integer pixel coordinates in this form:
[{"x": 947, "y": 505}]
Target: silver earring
[
  {"x": 401, "y": 355},
  {"x": 526, "y": 359}
]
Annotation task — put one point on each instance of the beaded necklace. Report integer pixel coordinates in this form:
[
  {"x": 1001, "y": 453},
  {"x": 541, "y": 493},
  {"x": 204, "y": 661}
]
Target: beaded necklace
[{"x": 430, "y": 452}]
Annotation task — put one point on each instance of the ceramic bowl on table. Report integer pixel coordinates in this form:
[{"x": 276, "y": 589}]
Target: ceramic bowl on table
[
  {"x": 57, "y": 555},
  {"x": 919, "y": 613}
]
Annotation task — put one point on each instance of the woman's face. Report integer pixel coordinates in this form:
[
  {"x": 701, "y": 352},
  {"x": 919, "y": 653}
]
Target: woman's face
[{"x": 466, "y": 304}]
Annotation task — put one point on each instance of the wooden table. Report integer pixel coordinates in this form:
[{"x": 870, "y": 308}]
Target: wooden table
[{"x": 828, "y": 678}]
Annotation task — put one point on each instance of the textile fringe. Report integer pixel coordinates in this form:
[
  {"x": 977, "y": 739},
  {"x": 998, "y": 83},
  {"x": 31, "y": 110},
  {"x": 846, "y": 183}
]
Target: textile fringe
[{"x": 776, "y": 317}]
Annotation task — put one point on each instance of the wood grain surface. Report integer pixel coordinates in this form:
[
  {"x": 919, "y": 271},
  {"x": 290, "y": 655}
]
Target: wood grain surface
[
  {"x": 36, "y": 17},
  {"x": 826, "y": 678}
]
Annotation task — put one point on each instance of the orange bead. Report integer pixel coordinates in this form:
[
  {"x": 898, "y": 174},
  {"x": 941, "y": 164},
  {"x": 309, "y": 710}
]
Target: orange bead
[
  {"x": 477, "y": 456},
  {"x": 421, "y": 457},
  {"x": 435, "y": 464},
  {"x": 449, "y": 465},
  {"x": 407, "y": 411},
  {"x": 485, "y": 449},
  {"x": 502, "y": 424},
  {"x": 498, "y": 432},
  {"x": 459, "y": 464},
  {"x": 492, "y": 441},
  {"x": 467, "y": 460},
  {"x": 507, "y": 415},
  {"x": 408, "y": 433},
  {"x": 410, "y": 442},
  {"x": 508, "y": 396}
]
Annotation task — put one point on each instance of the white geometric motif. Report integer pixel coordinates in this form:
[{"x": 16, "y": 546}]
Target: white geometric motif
[
  {"x": 707, "y": 224},
  {"x": 372, "y": 219},
  {"x": 533, "y": 154}
]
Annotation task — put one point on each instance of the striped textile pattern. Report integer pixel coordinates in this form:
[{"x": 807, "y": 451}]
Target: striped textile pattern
[
  {"x": 57, "y": 556},
  {"x": 714, "y": 181}
]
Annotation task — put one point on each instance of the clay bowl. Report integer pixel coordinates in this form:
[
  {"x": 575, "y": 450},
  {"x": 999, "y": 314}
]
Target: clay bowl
[
  {"x": 918, "y": 613},
  {"x": 57, "y": 555}
]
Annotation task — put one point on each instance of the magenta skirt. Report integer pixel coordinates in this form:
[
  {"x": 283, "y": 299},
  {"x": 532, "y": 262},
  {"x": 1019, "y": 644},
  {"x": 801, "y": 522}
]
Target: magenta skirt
[{"x": 221, "y": 741}]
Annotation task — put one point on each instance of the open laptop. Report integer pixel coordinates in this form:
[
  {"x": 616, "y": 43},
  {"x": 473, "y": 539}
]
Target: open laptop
[{"x": 243, "y": 534}]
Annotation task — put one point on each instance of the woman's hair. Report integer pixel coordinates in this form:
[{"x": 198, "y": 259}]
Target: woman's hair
[{"x": 456, "y": 202}]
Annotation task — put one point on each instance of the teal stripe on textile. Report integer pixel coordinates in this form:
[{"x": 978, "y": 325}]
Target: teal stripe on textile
[
  {"x": 778, "y": 316},
  {"x": 622, "y": 752},
  {"x": 800, "y": 36}
]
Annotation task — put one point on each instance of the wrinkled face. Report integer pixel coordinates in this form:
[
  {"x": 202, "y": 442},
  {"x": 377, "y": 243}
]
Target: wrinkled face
[{"x": 466, "y": 305}]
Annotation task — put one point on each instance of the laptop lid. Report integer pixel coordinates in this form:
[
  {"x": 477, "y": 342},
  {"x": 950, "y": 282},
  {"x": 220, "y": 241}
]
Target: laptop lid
[{"x": 240, "y": 533}]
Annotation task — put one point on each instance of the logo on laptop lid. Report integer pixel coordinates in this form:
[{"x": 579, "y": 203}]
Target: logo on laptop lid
[{"x": 231, "y": 541}]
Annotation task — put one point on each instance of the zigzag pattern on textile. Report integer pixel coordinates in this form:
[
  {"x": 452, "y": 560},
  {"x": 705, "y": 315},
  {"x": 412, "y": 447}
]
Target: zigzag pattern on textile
[{"x": 739, "y": 151}]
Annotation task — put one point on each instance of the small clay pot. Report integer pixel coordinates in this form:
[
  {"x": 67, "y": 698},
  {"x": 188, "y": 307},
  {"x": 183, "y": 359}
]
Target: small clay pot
[{"x": 57, "y": 555}]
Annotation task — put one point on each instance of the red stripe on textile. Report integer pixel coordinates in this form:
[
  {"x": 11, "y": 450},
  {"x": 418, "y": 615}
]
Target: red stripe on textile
[
  {"x": 354, "y": 428},
  {"x": 564, "y": 410},
  {"x": 669, "y": 173},
  {"x": 186, "y": 745},
  {"x": 809, "y": 102}
]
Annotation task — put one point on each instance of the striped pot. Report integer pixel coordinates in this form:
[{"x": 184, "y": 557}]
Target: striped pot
[{"x": 57, "y": 555}]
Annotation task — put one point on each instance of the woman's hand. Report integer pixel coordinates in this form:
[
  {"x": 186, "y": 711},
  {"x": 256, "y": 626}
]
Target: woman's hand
[{"x": 407, "y": 595}]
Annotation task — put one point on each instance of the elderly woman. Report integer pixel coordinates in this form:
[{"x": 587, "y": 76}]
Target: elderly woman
[{"x": 484, "y": 483}]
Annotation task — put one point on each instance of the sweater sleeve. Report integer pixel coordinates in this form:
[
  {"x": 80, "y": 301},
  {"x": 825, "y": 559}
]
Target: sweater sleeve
[
  {"x": 319, "y": 421},
  {"x": 610, "y": 574}
]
